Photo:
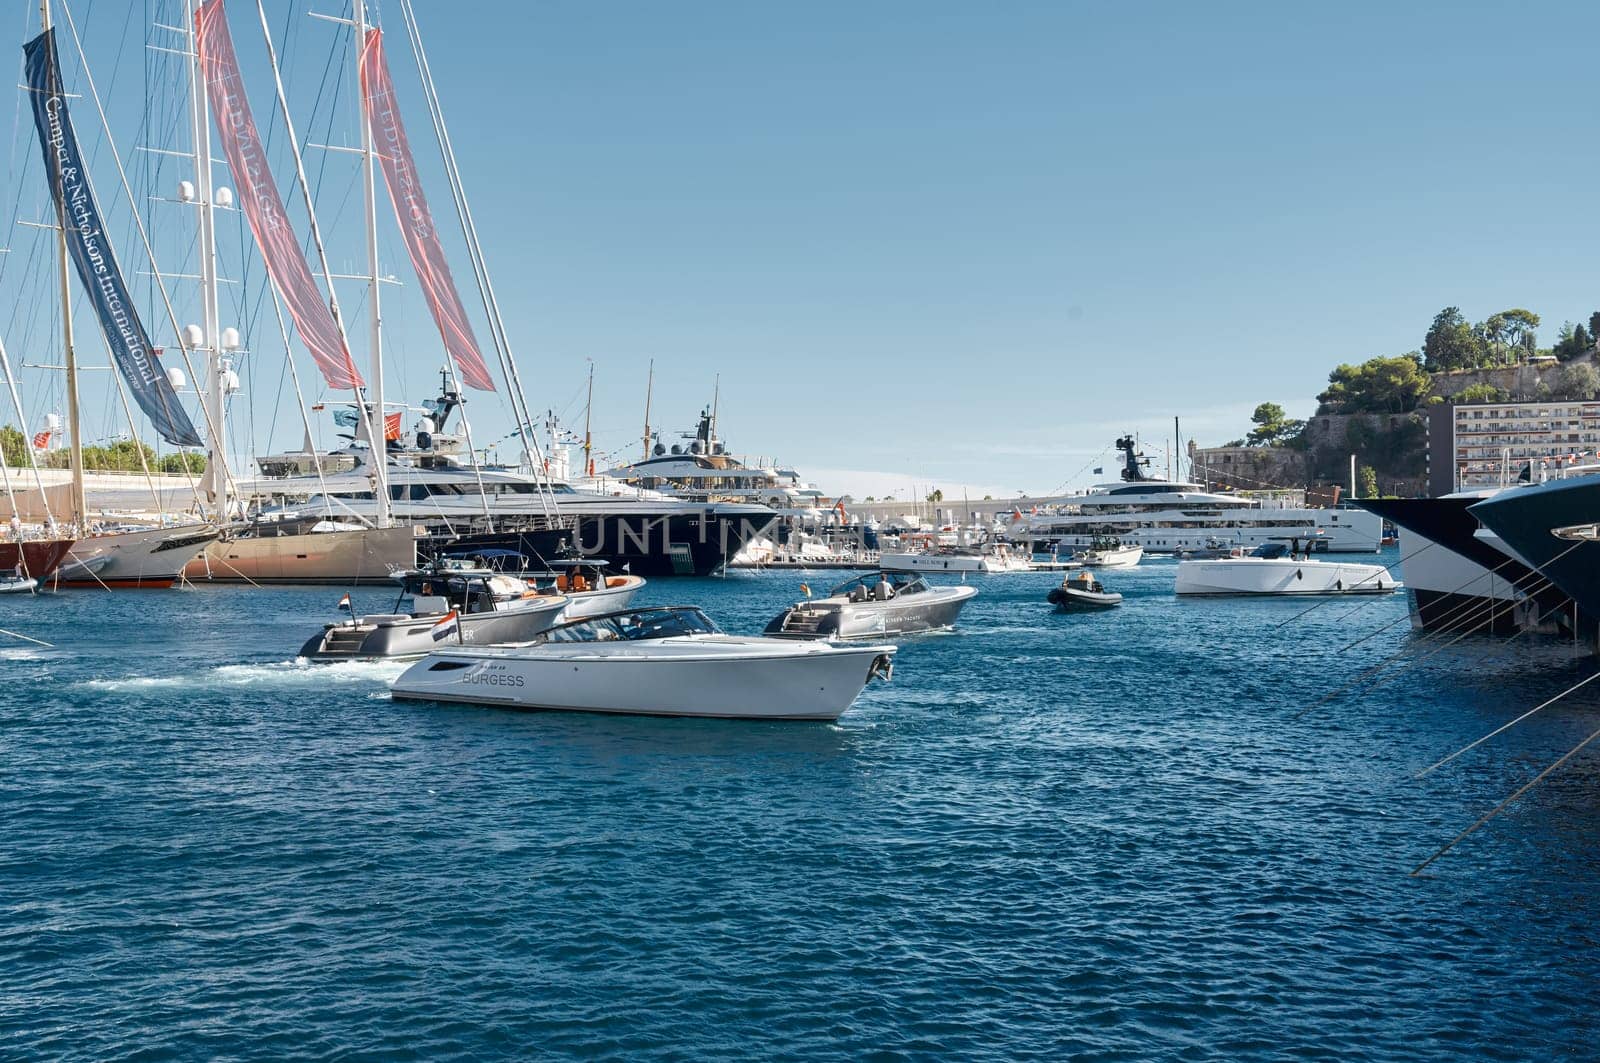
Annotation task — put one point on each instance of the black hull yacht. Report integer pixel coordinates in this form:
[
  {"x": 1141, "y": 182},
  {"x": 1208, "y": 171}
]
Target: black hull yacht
[{"x": 1555, "y": 527}]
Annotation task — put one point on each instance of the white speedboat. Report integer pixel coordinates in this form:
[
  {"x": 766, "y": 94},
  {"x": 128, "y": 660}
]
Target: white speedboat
[
  {"x": 1110, "y": 553},
  {"x": 874, "y": 605},
  {"x": 669, "y": 661},
  {"x": 589, "y": 589},
  {"x": 449, "y": 604},
  {"x": 1276, "y": 568}
]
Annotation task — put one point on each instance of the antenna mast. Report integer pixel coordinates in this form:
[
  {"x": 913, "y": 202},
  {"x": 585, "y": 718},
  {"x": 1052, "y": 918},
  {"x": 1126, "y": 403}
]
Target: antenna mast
[{"x": 649, "y": 386}]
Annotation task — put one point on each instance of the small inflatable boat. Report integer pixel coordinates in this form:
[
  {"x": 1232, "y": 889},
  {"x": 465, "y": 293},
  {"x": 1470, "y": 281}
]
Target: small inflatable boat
[{"x": 1081, "y": 592}]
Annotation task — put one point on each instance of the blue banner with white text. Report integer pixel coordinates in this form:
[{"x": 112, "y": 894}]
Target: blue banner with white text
[{"x": 91, "y": 252}]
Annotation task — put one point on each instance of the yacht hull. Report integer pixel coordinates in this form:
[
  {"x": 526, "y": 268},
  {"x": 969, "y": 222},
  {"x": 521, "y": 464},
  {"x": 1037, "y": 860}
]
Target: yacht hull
[
  {"x": 148, "y": 558},
  {"x": 716, "y": 676},
  {"x": 38, "y": 558},
  {"x": 364, "y": 556},
  {"x": 1455, "y": 581},
  {"x": 698, "y": 543},
  {"x": 1253, "y": 576},
  {"x": 1527, "y": 519}
]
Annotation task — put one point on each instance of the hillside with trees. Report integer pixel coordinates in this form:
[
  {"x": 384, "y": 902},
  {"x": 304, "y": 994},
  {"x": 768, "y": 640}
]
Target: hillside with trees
[{"x": 1376, "y": 409}]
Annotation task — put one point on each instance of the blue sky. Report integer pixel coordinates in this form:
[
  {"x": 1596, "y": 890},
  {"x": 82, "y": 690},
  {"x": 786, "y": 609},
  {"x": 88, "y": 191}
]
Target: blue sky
[{"x": 973, "y": 243}]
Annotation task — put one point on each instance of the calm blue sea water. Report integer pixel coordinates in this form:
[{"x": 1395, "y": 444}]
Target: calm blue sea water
[{"x": 1106, "y": 837}]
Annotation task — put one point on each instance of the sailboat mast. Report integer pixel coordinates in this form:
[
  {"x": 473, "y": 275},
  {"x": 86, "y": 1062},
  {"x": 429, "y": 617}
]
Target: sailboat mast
[
  {"x": 80, "y": 505},
  {"x": 216, "y": 479},
  {"x": 380, "y": 423},
  {"x": 588, "y": 440},
  {"x": 649, "y": 386}
]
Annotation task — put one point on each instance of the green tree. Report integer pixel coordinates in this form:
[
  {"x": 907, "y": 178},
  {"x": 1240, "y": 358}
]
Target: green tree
[
  {"x": 13, "y": 447},
  {"x": 1378, "y": 385},
  {"x": 1367, "y": 481},
  {"x": 1573, "y": 342},
  {"x": 1594, "y": 324},
  {"x": 1272, "y": 426},
  {"x": 1521, "y": 333},
  {"x": 936, "y": 496},
  {"x": 1480, "y": 393},
  {"x": 1579, "y": 381},
  {"x": 1451, "y": 343}
]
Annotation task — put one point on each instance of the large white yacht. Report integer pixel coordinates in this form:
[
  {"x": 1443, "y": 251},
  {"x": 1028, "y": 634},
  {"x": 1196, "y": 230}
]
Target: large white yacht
[
  {"x": 440, "y": 501},
  {"x": 702, "y": 470},
  {"x": 1170, "y": 516}
]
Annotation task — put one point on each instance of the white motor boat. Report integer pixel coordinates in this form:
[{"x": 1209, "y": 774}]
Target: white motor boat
[
  {"x": 875, "y": 605},
  {"x": 1276, "y": 568},
  {"x": 451, "y": 603},
  {"x": 589, "y": 589},
  {"x": 667, "y": 661},
  {"x": 1110, "y": 553}
]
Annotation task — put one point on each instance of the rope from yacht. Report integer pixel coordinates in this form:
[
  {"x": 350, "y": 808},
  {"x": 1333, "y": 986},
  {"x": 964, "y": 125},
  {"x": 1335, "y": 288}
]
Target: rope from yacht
[
  {"x": 1313, "y": 608},
  {"x": 27, "y": 443},
  {"x": 1504, "y": 727},
  {"x": 1503, "y": 805},
  {"x": 27, "y": 638}
]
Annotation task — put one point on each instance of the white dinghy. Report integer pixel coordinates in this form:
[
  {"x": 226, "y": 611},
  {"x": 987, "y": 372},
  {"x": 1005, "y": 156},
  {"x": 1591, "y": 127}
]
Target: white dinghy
[{"x": 665, "y": 661}]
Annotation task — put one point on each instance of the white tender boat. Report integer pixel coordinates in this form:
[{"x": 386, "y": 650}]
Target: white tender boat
[
  {"x": 873, "y": 606},
  {"x": 590, "y": 589},
  {"x": 1110, "y": 553},
  {"x": 669, "y": 661},
  {"x": 1273, "y": 568}
]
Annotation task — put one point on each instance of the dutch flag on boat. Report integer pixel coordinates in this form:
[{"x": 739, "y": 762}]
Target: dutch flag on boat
[
  {"x": 446, "y": 625},
  {"x": 344, "y": 603}
]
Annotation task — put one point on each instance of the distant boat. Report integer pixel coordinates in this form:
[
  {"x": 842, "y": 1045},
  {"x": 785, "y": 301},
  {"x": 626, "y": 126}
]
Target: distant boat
[
  {"x": 668, "y": 661},
  {"x": 1109, "y": 553},
  {"x": 1281, "y": 568},
  {"x": 874, "y": 605},
  {"x": 992, "y": 557},
  {"x": 1081, "y": 592}
]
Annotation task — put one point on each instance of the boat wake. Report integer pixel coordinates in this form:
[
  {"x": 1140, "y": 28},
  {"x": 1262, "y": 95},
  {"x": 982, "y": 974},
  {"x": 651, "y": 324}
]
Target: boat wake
[{"x": 296, "y": 672}]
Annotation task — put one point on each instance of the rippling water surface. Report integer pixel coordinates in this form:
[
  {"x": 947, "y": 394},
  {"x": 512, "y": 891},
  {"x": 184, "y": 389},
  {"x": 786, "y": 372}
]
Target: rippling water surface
[{"x": 1114, "y": 836}]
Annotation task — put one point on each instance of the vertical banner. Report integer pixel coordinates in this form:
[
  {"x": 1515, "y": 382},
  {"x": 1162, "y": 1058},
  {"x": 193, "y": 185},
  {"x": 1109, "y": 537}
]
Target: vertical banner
[
  {"x": 91, "y": 251},
  {"x": 411, "y": 211},
  {"x": 261, "y": 203}
]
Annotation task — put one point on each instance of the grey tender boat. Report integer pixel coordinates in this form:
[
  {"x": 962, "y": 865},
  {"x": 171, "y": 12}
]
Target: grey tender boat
[
  {"x": 872, "y": 606},
  {"x": 451, "y": 604}
]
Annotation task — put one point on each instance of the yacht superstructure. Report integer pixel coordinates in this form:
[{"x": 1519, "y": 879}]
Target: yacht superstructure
[{"x": 1166, "y": 516}]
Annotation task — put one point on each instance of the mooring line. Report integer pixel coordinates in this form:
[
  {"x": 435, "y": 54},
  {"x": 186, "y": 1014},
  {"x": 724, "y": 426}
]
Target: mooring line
[
  {"x": 1503, "y": 805},
  {"x": 1507, "y": 726},
  {"x": 26, "y": 638}
]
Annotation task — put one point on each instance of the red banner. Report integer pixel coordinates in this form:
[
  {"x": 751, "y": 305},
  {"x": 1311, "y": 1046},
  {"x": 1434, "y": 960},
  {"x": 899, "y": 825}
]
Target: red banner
[
  {"x": 261, "y": 203},
  {"x": 391, "y": 426},
  {"x": 411, "y": 211}
]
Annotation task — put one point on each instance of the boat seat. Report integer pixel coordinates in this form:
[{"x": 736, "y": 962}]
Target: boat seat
[{"x": 427, "y": 604}]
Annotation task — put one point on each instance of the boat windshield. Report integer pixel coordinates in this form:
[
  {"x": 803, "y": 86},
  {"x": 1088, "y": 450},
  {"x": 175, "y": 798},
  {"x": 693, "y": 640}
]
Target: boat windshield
[
  {"x": 633, "y": 625},
  {"x": 899, "y": 582},
  {"x": 1270, "y": 550}
]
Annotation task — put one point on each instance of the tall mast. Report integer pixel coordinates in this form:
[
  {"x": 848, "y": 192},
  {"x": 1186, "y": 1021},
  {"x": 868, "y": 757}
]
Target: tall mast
[
  {"x": 716, "y": 395},
  {"x": 216, "y": 479},
  {"x": 80, "y": 506},
  {"x": 588, "y": 440},
  {"x": 649, "y": 386},
  {"x": 380, "y": 424}
]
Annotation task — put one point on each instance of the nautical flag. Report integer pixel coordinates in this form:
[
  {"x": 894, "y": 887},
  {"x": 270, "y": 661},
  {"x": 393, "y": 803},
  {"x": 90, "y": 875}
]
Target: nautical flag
[
  {"x": 805, "y": 589},
  {"x": 416, "y": 222},
  {"x": 41, "y": 440},
  {"x": 1016, "y": 514},
  {"x": 262, "y": 204},
  {"x": 344, "y": 603},
  {"x": 391, "y": 426},
  {"x": 447, "y": 625}
]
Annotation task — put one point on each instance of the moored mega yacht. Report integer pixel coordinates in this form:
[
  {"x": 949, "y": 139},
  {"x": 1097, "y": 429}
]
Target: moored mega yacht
[
  {"x": 702, "y": 470},
  {"x": 1167, "y": 516},
  {"x": 1555, "y": 527},
  {"x": 457, "y": 506}
]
